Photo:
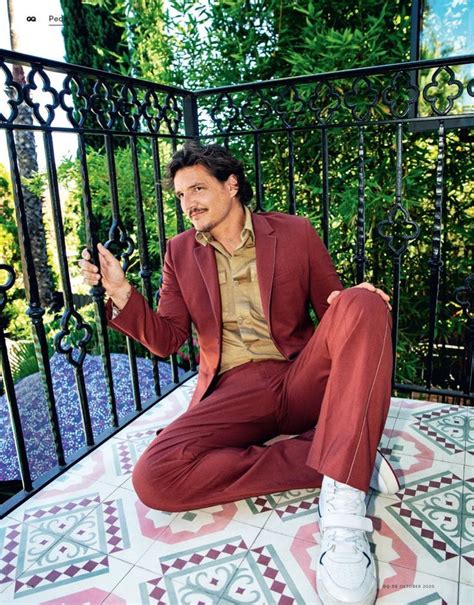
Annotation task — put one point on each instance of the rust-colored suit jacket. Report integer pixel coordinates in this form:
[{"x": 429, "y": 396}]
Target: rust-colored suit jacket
[{"x": 294, "y": 271}]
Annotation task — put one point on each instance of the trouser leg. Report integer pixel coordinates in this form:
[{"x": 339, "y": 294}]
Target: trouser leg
[
  {"x": 342, "y": 379},
  {"x": 214, "y": 452}
]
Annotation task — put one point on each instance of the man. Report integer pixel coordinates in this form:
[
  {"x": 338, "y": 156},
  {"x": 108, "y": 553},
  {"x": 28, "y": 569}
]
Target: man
[{"x": 246, "y": 281}]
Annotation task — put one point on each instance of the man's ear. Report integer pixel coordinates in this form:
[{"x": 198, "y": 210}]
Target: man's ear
[{"x": 233, "y": 184}]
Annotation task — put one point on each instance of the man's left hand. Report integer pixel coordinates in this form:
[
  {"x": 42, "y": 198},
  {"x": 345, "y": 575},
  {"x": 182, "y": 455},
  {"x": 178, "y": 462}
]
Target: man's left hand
[{"x": 385, "y": 297}]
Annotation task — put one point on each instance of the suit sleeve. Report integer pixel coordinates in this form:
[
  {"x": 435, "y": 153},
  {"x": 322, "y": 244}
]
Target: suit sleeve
[
  {"x": 323, "y": 276},
  {"x": 161, "y": 332}
]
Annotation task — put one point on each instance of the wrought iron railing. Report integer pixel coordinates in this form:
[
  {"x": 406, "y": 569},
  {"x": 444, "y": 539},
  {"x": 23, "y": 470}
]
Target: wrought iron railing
[
  {"x": 383, "y": 110},
  {"x": 424, "y": 99},
  {"x": 103, "y": 110}
]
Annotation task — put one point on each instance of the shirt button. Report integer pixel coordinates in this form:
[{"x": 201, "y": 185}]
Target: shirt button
[
  {"x": 236, "y": 283},
  {"x": 240, "y": 321}
]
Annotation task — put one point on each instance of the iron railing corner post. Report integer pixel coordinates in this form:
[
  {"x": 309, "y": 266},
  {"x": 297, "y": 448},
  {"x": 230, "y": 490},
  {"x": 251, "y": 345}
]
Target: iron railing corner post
[{"x": 190, "y": 115}]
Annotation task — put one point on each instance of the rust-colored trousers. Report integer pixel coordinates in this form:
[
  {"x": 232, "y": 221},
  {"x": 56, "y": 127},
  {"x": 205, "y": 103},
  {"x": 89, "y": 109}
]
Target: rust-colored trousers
[{"x": 340, "y": 384}]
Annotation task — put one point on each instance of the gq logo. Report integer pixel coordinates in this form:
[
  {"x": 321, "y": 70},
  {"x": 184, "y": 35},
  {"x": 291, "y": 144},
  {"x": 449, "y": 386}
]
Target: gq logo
[{"x": 31, "y": 19}]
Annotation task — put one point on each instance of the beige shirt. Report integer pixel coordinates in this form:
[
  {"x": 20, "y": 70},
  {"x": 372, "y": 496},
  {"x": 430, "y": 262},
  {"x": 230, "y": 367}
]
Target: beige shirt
[{"x": 245, "y": 333}]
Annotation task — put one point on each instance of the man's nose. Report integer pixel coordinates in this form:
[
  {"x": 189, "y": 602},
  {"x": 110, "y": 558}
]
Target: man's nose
[{"x": 186, "y": 202}]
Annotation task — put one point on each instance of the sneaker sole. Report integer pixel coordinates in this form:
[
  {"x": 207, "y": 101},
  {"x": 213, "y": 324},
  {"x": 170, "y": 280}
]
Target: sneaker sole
[
  {"x": 328, "y": 599},
  {"x": 384, "y": 479}
]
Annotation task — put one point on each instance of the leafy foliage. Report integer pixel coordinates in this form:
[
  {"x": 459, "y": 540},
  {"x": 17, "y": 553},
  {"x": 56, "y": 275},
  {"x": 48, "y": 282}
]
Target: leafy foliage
[{"x": 91, "y": 38}]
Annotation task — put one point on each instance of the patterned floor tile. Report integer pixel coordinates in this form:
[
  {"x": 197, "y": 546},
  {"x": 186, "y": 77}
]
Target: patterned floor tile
[
  {"x": 133, "y": 527},
  {"x": 199, "y": 550},
  {"x": 415, "y": 468},
  {"x": 387, "y": 432},
  {"x": 295, "y": 514},
  {"x": 67, "y": 520},
  {"x": 421, "y": 529},
  {"x": 71, "y": 568},
  {"x": 469, "y": 459},
  {"x": 143, "y": 587},
  {"x": 111, "y": 463},
  {"x": 160, "y": 415},
  {"x": 67, "y": 486},
  {"x": 394, "y": 408},
  {"x": 404, "y": 586},
  {"x": 277, "y": 569},
  {"x": 9, "y": 529},
  {"x": 254, "y": 511},
  {"x": 467, "y": 537},
  {"x": 466, "y": 594},
  {"x": 408, "y": 407},
  {"x": 439, "y": 432},
  {"x": 128, "y": 484},
  {"x": 466, "y": 575}
]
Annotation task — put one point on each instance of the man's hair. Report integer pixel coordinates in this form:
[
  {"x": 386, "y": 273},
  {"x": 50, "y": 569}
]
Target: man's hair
[{"x": 217, "y": 160}]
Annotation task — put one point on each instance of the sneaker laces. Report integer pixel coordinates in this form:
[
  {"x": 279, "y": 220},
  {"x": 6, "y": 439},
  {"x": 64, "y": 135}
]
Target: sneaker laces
[{"x": 342, "y": 498}]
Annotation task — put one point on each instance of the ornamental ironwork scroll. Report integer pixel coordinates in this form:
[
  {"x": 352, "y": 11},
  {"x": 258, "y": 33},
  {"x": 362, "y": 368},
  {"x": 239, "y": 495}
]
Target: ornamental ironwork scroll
[{"x": 92, "y": 102}]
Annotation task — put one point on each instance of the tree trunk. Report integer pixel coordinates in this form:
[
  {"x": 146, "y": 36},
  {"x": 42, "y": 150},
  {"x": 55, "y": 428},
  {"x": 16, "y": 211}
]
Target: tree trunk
[{"x": 28, "y": 166}]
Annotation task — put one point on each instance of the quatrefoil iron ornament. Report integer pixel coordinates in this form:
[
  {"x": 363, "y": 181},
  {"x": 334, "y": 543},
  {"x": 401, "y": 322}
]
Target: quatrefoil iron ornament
[
  {"x": 75, "y": 353},
  {"x": 225, "y": 113},
  {"x": 400, "y": 95},
  {"x": 104, "y": 104},
  {"x": 440, "y": 102},
  {"x": 256, "y": 110},
  {"x": 324, "y": 102},
  {"x": 289, "y": 106},
  {"x": 388, "y": 226},
  {"x": 118, "y": 237},
  {"x": 38, "y": 71},
  {"x": 74, "y": 87},
  {"x": 361, "y": 99},
  {"x": 172, "y": 113},
  {"x": 152, "y": 111},
  {"x": 9, "y": 86},
  {"x": 129, "y": 107}
]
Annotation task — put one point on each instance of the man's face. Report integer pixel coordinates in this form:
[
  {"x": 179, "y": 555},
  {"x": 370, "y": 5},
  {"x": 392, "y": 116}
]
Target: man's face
[{"x": 204, "y": 200}]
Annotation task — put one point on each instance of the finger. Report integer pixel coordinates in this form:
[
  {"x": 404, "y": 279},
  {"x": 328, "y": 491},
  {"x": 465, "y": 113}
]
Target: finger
[
  {"x": 91, "y": 280},
  {"x": 87, "y": 266},
  {"x": 333, "y": 296},
  {"x": 88, "y": 275},
  {"x": 105, "y": 256},
  {"x": 85, "y": 254},
  {"x": 367, "y": 286},
  {"x": 383, "y": 294}
]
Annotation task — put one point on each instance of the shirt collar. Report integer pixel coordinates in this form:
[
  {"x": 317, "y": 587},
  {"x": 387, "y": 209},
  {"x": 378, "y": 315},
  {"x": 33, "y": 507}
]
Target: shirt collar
[{"x": 247, "y": 234}]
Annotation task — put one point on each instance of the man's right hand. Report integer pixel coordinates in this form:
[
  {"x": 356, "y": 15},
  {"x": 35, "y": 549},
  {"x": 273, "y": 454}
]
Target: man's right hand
[{"x": 111, "y": 274}]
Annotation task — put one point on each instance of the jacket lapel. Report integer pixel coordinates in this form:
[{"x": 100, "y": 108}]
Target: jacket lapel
[
  {"x": 206, "y": 261},
  {"x": 265, "y": 246}
]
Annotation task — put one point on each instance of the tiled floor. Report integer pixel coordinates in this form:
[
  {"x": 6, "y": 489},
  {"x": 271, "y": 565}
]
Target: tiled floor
[{"x": 86, "y": 539}]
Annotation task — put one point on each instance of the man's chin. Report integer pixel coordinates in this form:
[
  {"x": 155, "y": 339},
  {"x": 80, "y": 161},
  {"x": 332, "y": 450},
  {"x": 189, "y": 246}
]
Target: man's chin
[{"x": 203, "y": 228}]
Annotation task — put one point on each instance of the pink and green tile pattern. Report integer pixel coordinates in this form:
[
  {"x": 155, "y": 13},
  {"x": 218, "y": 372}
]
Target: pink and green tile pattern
[{"x": 86, "y": 539}]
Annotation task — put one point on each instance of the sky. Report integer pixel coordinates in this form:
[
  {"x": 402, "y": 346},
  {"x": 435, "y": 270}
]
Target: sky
[
  {"x": 42, "y": 38},
  {"x": 448, "y": 28}
]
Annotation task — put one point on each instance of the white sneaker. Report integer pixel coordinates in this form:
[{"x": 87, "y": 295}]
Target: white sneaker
[
  {"x": 384, "y": 479},
  {"x": 346, "y": 570}
]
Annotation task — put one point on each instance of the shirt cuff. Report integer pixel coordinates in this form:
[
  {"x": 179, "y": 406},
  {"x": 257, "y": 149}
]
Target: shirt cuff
[{"x": 115, "y": 311}]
